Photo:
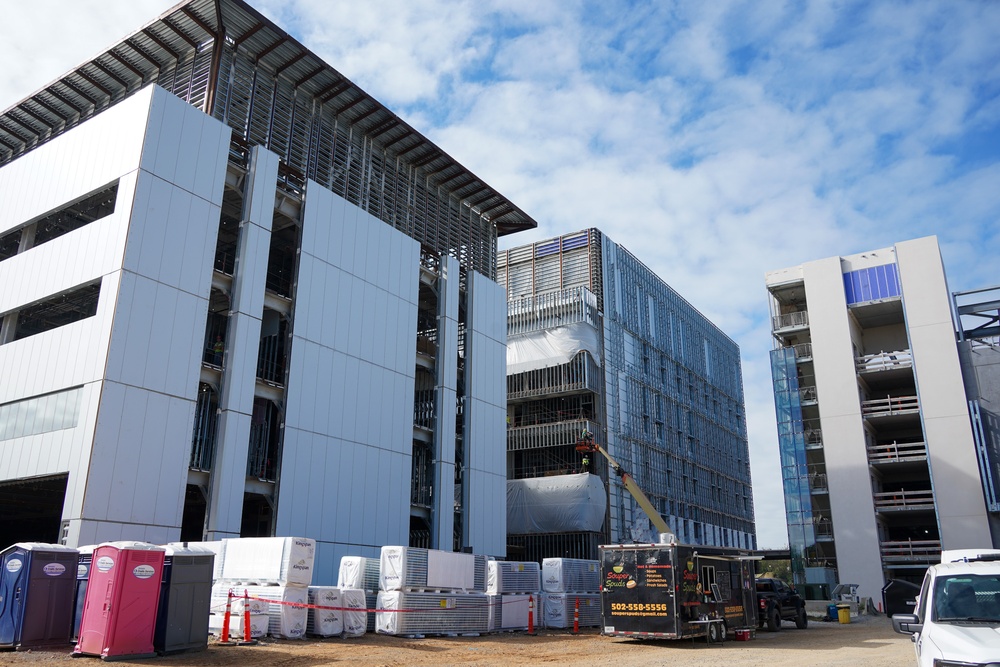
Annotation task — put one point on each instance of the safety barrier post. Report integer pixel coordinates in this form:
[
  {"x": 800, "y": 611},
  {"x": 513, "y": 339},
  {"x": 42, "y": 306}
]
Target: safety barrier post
[
  {"x": 531, "y": 615},
  {"x": 225, "y": 619},
  {"x": 247, "y": 639},
  {"x": 576, "y": 617}
]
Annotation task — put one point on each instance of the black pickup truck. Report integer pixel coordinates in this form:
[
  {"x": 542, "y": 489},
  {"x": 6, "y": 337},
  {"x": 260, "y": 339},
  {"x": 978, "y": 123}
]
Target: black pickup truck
[{"x": 777, "y": 602}]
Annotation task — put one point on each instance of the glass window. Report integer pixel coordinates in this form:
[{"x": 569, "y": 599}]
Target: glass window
[{"x": 40, "y": 414}]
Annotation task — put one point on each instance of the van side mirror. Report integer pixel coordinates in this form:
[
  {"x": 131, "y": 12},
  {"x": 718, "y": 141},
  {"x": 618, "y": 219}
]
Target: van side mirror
[{"x": 906, "y": 624}]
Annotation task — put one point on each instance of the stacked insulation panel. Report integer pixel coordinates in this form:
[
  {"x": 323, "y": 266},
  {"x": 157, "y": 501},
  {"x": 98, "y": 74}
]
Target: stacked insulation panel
[
  {"x": 513, "y": 577},
  {"x": 571, "y": 575},
  {"x": 288, "y": 620},
  {"x": 509, "y": 612},
  {"x": 355, "y": 618},
  {"x": 415, "y": 569},
  {"x": 558, "y": 608},
  {"x": 446, "y": 589},
  {"x": 269, "y": 561},
  {"x": 361, "y": 573},
  {"x": 509, "y": 585},
  {"x": 436, "y": 613},
  {"x": 325, "y": 622}
]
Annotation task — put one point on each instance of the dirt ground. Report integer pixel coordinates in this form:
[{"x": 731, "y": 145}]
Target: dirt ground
[{"x": 868, "y": 641}]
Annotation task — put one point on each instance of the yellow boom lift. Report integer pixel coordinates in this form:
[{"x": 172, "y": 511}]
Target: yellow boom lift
[{"x": 586, "y": 445}]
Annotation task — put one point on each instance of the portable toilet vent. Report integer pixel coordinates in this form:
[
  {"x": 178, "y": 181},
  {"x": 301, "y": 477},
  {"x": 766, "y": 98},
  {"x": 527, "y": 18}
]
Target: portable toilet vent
[
  {"x": 123, "y": 594},
  {"x": 185, "y": 600},
  {"x": 36, "y": 595},
  {"x": 82, "y": 577}
]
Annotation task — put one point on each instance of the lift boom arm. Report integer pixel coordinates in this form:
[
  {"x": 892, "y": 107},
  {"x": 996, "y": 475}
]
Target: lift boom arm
[{"x": 587, "y": 445}]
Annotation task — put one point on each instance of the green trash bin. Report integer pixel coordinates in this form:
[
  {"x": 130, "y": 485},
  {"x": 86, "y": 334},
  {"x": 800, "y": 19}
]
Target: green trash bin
[{"x": 844, "y": 613}]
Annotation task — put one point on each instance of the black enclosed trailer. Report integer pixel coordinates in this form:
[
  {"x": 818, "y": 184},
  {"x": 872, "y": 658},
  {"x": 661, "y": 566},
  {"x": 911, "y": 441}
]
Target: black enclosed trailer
[{"x": 675, "y": 591}]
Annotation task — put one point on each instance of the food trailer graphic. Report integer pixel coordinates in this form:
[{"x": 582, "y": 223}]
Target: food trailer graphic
[{"x": 675, "y": 591}]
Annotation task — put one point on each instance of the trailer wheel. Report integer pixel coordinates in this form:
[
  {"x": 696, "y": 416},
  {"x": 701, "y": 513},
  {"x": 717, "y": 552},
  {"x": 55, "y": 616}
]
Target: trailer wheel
[
  {"x": 723, "y": 631},
  {"x": 801, "y": 620},
  {"x": 773, "y": 620},
  {"x": 713, "y": 633}
]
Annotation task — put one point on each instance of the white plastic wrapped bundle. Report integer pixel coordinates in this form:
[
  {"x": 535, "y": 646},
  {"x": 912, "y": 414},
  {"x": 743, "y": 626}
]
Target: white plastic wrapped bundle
[
  {"x": 557, "y": 609},
  {"x": 356, "y": 619},
  {"x": 513, "y": 577},
  {"x": 358, "y": 572},
  {"x": 218, "y": 547},
  {"x": 437, "y": 613},
  {"x": 270, "y": 560},
  {"x": 510, "y": 612},
  {"x": 414, "y": 569},
  {"x": 258, "y": 625},
  {"x": 286, "y": 620},
  {"x": 220, "y": 593},
  {"x": 325, "y": 622},
  {"x": 562, "y": 575}
]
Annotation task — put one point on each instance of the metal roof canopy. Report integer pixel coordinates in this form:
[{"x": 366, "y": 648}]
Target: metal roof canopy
[{"x": 176, "y": 35}]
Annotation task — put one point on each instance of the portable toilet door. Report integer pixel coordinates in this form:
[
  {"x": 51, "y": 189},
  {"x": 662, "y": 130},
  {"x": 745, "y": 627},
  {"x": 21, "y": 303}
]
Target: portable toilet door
[
  {"x": 36, "y": 596},
  {"x": 82, "y": 577},
  {"x": 119, "y": 613},
  {"x": 185, "y": 600}
]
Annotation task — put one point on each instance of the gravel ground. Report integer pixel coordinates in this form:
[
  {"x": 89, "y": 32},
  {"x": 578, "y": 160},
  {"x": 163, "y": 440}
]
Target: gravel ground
[{"x": 868, "y": 641}]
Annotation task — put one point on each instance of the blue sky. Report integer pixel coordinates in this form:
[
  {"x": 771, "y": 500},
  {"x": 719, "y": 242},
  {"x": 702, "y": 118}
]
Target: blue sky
[{"x": 716, "y": 141}]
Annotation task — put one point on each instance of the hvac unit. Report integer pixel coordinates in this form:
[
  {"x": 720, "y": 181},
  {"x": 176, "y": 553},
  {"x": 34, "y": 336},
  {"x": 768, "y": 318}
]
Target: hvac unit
[
  {"x": 509, "y": 611},
  {"x": 431, "y": 613},
  {"x": 513, "y": 577},
  {"x": 414, "y": 569},
  {"x": 562, "y": 575},
  {"x": 558, "y": 609}
]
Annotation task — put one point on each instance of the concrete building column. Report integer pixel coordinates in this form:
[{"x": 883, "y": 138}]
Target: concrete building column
[
  {"x": 445, "y": 388},
  {"x": 225, "y": 505}
]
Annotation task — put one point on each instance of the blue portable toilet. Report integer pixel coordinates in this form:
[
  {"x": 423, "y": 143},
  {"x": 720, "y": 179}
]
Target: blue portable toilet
[
  {"x": 36, "y": 595},
  {"x": 82, "y": 577}
]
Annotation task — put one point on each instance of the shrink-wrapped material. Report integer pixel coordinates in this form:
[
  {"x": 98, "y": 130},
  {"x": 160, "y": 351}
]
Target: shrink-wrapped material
[
  {"x": 287, "y": 621},
  {"x": 562, "y": 575},
  {"x": 218, "y": 547},
  {"x": 270, "y": 560},
  {"x": 558, "y": 608},
  {"x": 258, "y": 625},
  {"x": 506, "y": 576},
  {"x": 510, "y": 612},
  {"x": 431, "y": 613},
  {"x": 414, "y": 569},
  {"x": 556, "y": 504},
  {"x": 552, "y": 346},
  {"x": 355, "y": 617},
  {"x": 325, "y": 622},
  {"x": 358, "y": 572},
  {"x": 220, "y": 594}
]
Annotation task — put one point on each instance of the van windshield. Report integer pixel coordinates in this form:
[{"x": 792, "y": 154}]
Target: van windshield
[{"x": 967, "y": 597}]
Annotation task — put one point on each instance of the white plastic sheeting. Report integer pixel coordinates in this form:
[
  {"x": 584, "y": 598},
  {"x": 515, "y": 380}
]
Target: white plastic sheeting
[
  {"x": 505, "y": 576},
  {"x": 325, "y": 622},
  {"x": 270, "y": 560},
  {"x": 557, "y": 504},
  {"x": 562, "y": 575},
  {"x": 358, "y": 572},
  {"x": 356, "y": 616},
  {"x": 286, "y": 620},
  {"x": 558, "y": 609},
  {"x": 551, "y": 347},
  {"x": 258, "y": 625}
]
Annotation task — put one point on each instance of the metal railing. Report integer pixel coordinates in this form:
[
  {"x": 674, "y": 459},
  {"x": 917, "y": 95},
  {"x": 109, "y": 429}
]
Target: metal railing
[
  {"x": 423, "y": 408},
  {"x": 553, "y": 309},
  {"x": 808, "y": 395},
  {"x": 797, "y": 319},
  {"x": 883, "y": 361},
  {"x": 818, "y": 483},
  {"x": 813, "y": 438},
  {"x": 547, "y": 435},
  {"x": 911, "y": 551},
  {"x": 895, "y": 452},
  {"x": 206, "y": 424},
  {"x": 579, "y": 374},
  {"x": 271, "y": 359},
  {"x": 803, "y": 351},
  {"x": 890, "y": 405},
  {"x": 903, "y": 500}
]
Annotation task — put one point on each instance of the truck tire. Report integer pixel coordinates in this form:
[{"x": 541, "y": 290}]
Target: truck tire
[
  {"x": 773, "y": 619},
  {"x": 712, "y": 633},
  {"x": 723, "y": 631},
  {"x": 801, "y": 620}
]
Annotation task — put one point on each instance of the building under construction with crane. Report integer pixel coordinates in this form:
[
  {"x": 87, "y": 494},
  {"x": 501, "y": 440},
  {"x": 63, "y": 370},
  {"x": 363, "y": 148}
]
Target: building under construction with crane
[{"x": 598, "y": 343}]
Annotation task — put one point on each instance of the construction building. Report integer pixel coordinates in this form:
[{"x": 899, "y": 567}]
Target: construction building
[
  {"x": 597, "y": 342},
  {"x": 243, "y": 298},
  {"x": 880, "y": 462}
]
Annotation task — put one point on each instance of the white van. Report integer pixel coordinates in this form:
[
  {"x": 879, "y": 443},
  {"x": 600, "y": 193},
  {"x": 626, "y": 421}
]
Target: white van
[{"x": 957, "y": 619}]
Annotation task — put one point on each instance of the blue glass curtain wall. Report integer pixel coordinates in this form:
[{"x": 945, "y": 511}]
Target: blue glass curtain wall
[{"x": 871, "y": 284}]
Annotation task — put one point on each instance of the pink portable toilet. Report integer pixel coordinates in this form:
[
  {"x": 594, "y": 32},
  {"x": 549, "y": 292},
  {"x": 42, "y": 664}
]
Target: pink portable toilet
[{"x": 119, "y": 611}]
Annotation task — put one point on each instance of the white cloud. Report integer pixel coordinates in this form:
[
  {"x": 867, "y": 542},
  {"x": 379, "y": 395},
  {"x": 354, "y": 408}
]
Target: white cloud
[{"x": 716, "y": 141}]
